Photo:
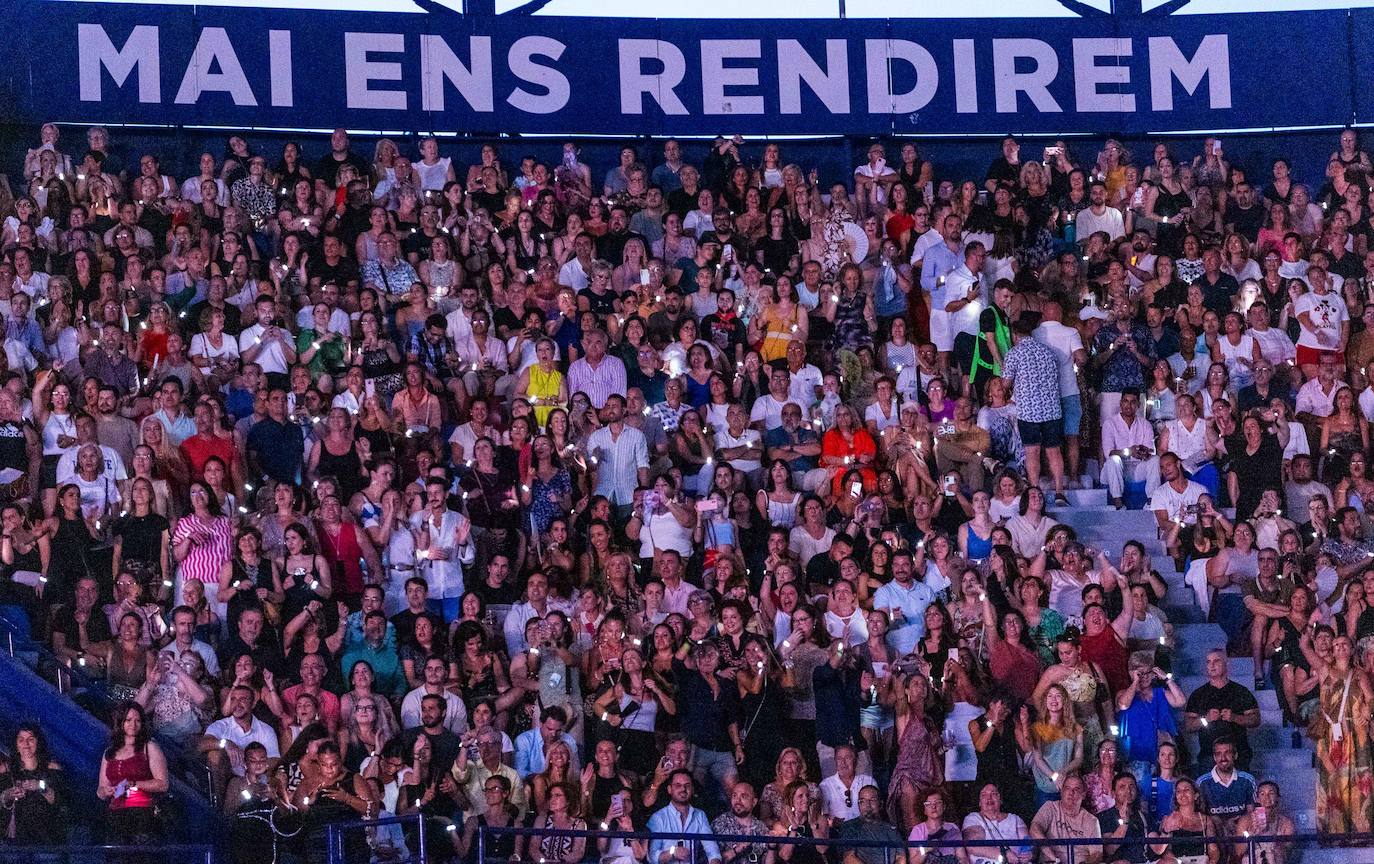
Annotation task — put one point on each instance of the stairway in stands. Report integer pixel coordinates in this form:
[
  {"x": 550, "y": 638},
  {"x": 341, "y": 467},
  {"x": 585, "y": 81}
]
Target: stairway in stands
[{"x": 1101, "y": 526}]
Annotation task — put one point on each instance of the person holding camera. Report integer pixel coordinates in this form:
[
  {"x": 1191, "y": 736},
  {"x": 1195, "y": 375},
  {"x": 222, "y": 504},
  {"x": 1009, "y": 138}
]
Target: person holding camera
[{"x": 1145, "y": 713}]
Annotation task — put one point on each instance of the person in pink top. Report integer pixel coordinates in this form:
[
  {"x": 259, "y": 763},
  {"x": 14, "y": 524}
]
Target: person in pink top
[{"x": 133, "y": 776}]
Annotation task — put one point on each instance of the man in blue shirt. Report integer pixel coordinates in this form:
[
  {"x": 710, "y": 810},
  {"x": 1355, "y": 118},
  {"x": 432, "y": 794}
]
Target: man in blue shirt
[
  {"x": 904, "y": 600},
  {"x": 939, "y": 261},
  {"x": 1228, "y": 791},
  {"x": 679, "y": 825},
  {"x": 275, "y": 447},
  {"x": 23, "y": 329},
  {"x": 531, "y": 747},
  {"x": 798, "y": 446}
]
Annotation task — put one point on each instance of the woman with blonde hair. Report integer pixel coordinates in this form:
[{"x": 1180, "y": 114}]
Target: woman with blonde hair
[
  {"x": 167, "y": 457},
  {"x": 366, "y": 731},
  {"x": 558, "y": 769},
  {"x": 1053, "y": 744},
  {"x": 789, "y": 769}
]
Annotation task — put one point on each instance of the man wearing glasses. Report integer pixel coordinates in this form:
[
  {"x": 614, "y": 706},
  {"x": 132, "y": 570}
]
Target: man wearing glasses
[{"x": 478, "y": 771}]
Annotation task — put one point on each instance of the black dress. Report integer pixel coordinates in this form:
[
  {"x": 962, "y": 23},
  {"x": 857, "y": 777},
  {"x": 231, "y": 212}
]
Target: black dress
[
  {"x": 325, "y": 811},
  {"x": 141, "y": 547},
  {"x": 346, "y": 469},
  {"x": 1257, "y": 472},
  {"x": 761, "y": 726},
  {"x": 70, "y": 559}
]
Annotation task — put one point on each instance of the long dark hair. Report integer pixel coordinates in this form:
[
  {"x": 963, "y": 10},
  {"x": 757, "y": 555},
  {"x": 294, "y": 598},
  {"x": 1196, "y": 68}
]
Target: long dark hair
[
  {"x": 117, "y": 718},
  {"x": 211, "y": 499},
  {"x": 41, "y": 757}
]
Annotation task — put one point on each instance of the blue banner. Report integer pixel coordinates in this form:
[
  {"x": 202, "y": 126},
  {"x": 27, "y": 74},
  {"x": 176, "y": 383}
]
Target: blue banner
[{"x": 443, "y": 71}]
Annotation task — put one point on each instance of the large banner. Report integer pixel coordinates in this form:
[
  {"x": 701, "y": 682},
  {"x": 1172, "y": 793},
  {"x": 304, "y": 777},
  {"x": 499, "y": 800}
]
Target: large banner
[{"x": 443, "y": 71}]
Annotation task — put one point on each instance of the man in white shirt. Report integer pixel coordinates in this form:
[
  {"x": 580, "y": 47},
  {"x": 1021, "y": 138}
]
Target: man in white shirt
[
  {"x": 1128, "y": 449},
  {"x": 766, "y": 412},
  {"x": 840, "y": 791},
  {"x": 963, "y": 300},
  {"x": 87, "y": 433},
  {"x": 1067, "y": 345},
  {"x": 1317, "y": 398},
  {"x": 225, "y": 739},
  {"x": 1098, "y": 216},
  {"x": 1176, "y": 500},
  {"x": 339, "y": 321},
  {"x": 266, "y": 344},
  {"x": 807, "y": 380},
  {"x": 536, "y": 605},
  {"x": 484, "y": 357},
  {"x": 873, "y": 179},
  {"x": 1275, "y": 346},
  {"x": 455, "y": 712},
  {"x": 445, "y": 547},
  {"x": 576, "y": 273},
  {"x": 460, "y": 320},
  {"x": 925, "y": 232},
  {"x": 739, "y": 444}
]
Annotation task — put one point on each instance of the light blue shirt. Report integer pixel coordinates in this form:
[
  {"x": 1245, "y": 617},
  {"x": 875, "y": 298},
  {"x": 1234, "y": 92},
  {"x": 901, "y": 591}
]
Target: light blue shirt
[
  {"x": 529, "y": 753},
  {"x": 178, "y": 428},
  {"x": 939, "y": 261},
  {"x": 669, "y": 829},
  {"x": 903, "y": 633},
  {"x": 618, "y": 460}
]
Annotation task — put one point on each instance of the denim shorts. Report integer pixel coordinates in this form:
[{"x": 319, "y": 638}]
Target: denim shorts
[{"x": 1072, "y": 408}]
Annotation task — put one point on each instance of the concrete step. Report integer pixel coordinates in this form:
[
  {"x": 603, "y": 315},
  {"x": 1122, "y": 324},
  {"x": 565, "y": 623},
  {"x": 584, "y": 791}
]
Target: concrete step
[
  {"x": 1200, "y": 638},
  {"x": 1282, "y": 763}
]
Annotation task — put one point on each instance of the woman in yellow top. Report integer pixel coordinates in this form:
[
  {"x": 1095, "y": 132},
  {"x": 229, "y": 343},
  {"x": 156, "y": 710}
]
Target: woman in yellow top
[
  {"x": 542, "y": 384},
  {"x": 782, "y": 321}
]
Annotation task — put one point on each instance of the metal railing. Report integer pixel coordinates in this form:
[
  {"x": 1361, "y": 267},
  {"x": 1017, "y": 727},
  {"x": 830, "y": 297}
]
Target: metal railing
[
  {"x": 181, "y": 853},
  {"x": 1008, "y": 850},
  {"x": 336, "y": 835}
]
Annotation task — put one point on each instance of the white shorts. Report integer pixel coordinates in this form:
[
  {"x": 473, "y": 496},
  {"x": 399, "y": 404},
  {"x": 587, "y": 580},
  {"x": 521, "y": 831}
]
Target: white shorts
[{"x": 940, "y": 332}]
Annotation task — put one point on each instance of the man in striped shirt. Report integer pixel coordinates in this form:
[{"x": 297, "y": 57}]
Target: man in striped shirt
[{"x": 596, "y": 374}]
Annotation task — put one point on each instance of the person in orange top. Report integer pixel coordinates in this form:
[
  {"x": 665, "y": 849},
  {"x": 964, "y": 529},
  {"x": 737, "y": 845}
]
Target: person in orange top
[{"x": 848, "y": 445}]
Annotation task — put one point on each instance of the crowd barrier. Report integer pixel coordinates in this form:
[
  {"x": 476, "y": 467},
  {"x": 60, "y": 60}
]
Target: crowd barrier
[{"x": 181, "y": 854}]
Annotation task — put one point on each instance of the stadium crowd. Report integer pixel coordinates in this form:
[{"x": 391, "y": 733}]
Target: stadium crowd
[{"x": 692, "y": 496}]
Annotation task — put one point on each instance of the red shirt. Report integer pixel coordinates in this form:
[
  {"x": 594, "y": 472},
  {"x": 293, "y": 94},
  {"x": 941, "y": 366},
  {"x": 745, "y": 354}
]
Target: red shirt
[{"x": 199, "y": 448}]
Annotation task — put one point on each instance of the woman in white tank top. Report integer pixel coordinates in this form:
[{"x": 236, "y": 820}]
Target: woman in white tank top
[
  {"x": 1186, "y": 435},
  {"x": 52, "y": 415},
  {"x": 434, "y": 170}
]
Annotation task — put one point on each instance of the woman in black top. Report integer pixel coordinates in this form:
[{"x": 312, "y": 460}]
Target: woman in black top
[
  {"x": 142, "y": 539},
  {"x": 23, "y": 555},
  {"x": 250, "y": 580},
  {"x": 72, "y": 546},
  {"x": 334, "y": 794},
  {"x": 1168, "y": 204},
  {"x": 31, "y": 792},
  {"x": 1257, "y": 465},
  {"x": 778, "y": 247}
]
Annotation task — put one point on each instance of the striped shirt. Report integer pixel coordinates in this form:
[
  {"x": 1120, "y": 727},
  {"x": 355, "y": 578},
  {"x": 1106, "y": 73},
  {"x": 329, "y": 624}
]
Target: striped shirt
[
  {"x": 205, "y": 560},
  {"x": 599, "y": 381}
]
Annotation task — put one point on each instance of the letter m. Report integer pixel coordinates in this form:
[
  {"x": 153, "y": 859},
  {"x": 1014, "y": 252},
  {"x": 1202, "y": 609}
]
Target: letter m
[{"x": 140, "y": 52}]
